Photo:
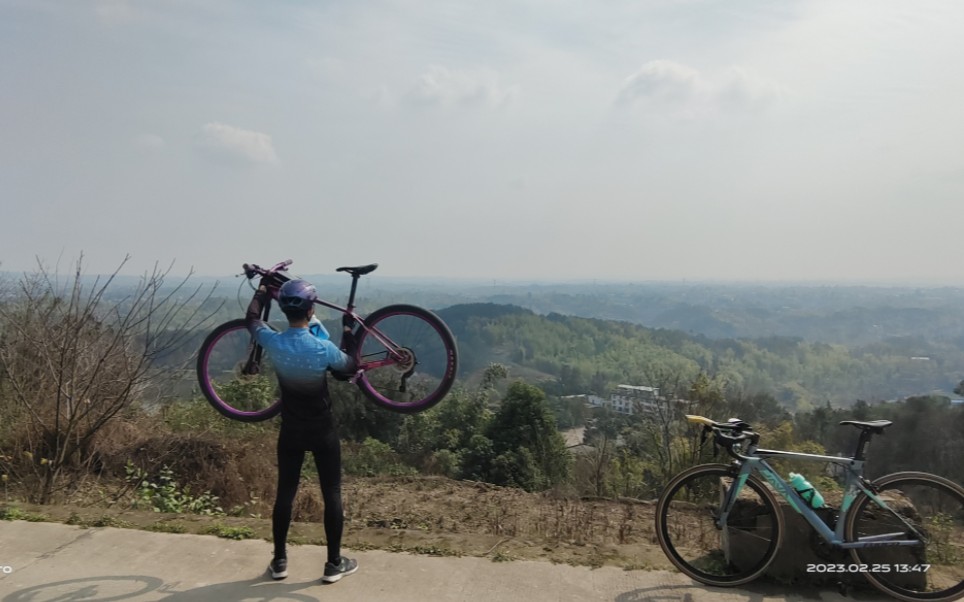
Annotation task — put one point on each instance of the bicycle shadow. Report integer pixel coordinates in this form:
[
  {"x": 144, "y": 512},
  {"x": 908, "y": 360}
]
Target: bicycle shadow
[
  {"x": 753, "y": 592},
  {"x": 114, "y": 588}
]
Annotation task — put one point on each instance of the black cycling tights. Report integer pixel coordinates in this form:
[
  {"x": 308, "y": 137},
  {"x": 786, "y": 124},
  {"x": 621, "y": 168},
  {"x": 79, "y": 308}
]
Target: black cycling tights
[{"x": 324, "y": 445}]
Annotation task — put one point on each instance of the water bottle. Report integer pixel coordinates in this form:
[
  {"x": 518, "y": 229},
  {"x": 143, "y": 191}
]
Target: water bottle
[
  {"x": 806, "y": 490},
  {"x": 318, "y": 329}
]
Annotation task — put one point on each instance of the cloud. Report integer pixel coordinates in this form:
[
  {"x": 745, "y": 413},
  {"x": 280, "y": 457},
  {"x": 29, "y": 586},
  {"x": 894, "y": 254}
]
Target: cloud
[
  {"x": 678, "y": 88},
  {"x": 446, "y": 87},
  {"x": 236, "y": 143},
  {"x": 149, "y": 141},
  {"x": 663, "y": 80}
]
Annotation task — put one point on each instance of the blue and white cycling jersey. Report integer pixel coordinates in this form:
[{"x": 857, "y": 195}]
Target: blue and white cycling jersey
[{"x": 301, "y": 357}]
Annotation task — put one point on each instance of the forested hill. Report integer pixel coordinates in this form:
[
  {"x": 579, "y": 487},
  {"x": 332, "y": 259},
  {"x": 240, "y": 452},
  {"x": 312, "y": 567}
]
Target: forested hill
[
  {"x": 836, "y": 314},
  {"x": 578, "y": 355}
]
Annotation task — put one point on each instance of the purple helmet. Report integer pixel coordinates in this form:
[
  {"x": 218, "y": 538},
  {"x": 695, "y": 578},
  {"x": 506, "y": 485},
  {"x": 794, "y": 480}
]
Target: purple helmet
[{"x": 297, "y": 295}]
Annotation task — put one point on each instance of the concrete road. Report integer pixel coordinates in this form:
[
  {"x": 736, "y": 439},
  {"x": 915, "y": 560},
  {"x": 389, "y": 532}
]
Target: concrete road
[{"x": 52, "y": 562}]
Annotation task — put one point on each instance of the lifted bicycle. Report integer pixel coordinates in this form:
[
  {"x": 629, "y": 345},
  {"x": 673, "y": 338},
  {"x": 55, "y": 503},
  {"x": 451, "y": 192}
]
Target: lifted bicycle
[{"x": 406, "y": 356}]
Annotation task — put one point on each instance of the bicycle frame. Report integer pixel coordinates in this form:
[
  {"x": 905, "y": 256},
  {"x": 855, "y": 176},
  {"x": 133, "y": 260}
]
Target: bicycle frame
[
  {"x": 394, "y": 356},
  {"x": 390, "y": 345},
  {"x": 854, "y": 484}
]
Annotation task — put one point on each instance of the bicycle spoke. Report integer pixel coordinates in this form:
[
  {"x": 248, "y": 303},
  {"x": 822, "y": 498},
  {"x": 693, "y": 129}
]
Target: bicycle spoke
[
  {"x": 237, "y": 378},
  {"x": 919, "y": 509},
  {"x": 729, "y": 554},
  {"x": 408, "y": 358}
]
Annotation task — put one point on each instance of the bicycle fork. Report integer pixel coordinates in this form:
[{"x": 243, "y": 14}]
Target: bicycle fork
[{"x": 729, "y": 497}]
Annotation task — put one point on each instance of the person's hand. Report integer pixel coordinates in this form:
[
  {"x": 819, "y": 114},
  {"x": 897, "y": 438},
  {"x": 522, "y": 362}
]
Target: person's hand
[
  {"x": 347, "y": 322},
  {"x": 342, "y": 376}
]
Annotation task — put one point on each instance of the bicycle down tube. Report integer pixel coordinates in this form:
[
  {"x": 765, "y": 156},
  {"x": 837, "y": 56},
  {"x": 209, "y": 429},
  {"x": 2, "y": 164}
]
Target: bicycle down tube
[
  {"x": 390, "y": 345},
  {"x": 854, "y": 484}
]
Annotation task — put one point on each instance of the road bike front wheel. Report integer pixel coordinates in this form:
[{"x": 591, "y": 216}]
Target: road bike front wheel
[
  {"x": 408, "y": 358},
  {"x": 728, "y": 554},
  {"x": 236, "y": 375},
  {"x": 911, "y": 506}
]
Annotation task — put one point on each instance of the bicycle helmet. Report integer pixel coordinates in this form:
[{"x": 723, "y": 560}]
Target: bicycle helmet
[{"x": 297, "y": 295}]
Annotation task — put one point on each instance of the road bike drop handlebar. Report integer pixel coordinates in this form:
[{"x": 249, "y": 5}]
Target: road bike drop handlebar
[{"x": 722, "y": 434}]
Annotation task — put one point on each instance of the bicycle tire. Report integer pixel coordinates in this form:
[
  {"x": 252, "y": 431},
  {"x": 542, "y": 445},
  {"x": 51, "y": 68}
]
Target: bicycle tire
[
  {"x": 685, "y": 526},
  {"x": 424, "y": 382},
  {"x": 237, "y": 396},
  {"x": 934, "y": 505}
]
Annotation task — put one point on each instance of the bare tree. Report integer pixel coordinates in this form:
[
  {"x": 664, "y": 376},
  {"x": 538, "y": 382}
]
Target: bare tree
[
  {"x": 74, "y": 355},
  {"x": 660, "y": 433}
]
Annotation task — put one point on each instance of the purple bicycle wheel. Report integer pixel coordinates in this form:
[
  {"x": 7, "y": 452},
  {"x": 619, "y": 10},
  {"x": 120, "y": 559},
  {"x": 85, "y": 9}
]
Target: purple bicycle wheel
[
  {"x": 408, "y": 358},
  {"x": 236, "y": 375}
]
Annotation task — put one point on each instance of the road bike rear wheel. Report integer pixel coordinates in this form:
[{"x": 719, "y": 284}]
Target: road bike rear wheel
[
  {"x": 725, "y": 555},
  {"x": 912, "y": 504},
  {"x": 418, "y": 355},
  {"x": 236, "y": 375}
]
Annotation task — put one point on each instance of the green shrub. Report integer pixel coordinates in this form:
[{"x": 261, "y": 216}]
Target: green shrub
[
  {"x": 166, "y": 495},
  {"x": 375, "y": 458}
]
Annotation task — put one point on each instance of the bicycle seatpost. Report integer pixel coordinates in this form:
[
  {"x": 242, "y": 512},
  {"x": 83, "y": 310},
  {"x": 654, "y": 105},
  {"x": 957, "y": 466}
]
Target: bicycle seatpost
[{"x": 351, "y": 296}]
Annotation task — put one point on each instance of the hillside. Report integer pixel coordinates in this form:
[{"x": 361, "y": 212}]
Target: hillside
[{"x": 579, "y": 355}]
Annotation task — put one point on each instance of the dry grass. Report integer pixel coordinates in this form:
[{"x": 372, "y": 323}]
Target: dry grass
[{"x": 421, "y": 514}]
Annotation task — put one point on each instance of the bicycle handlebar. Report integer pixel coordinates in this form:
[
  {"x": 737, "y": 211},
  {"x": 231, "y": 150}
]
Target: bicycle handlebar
[
  {"x": 252, "y": 269},
  {"x": 726, "y": 434}
]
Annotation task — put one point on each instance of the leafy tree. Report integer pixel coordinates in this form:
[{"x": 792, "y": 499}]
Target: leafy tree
[
  {"x": 359, "y": 419},
  {"x": 756, "y": 408},
  {"x": 450, "y": 426},
  {"x": 527, "y": 450}
]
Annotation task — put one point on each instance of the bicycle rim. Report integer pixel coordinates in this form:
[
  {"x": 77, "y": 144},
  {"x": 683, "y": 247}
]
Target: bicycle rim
[
  {"x": 236, "y": 375},
  {"x": 426, "y": 368},
  {"x": 736, "y": 553},
  {"x": 921, "y": 504}
]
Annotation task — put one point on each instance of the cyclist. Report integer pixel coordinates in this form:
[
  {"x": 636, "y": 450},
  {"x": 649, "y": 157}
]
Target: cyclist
[{"x": 302, "y": 355}]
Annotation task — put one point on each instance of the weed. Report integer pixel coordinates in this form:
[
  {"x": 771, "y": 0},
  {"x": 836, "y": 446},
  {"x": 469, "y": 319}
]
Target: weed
[
  {"x": 244, "y": 509},
  {"x": 15, "y": 513},
  {"x": 165, "y": 527},
  {"x": 166, "y": 495},
  {"x": 110, "y": 521},
  {"x": 227, "y": 532},
  {"x": 501, "y": 556},
  {"x": 432, "y": 550},
  {"x": 104, "y": 520}
]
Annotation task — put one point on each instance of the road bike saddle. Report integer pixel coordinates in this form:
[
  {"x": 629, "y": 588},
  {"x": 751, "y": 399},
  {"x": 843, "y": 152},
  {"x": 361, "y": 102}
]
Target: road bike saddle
[
  {"x": 359, "y": 270},
  {"x": 877, "y": 426}
]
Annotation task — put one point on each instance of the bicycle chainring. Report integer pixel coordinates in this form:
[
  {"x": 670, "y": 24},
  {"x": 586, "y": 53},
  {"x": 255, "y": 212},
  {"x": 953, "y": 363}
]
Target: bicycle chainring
[{"x": 820, "y": 546}]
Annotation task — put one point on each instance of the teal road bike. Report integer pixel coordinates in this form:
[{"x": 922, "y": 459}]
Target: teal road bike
[{"x": 721, "y": 524}]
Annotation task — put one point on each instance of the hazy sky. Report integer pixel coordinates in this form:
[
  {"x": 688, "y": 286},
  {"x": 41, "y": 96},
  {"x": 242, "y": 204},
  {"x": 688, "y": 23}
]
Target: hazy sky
[{"x": 532, "y": 139}]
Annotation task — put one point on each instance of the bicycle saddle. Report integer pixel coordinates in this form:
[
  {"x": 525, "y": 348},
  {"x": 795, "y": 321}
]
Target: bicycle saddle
[
  {"x": 877, "y": 426},
  {"x": 359, "y": 270}
]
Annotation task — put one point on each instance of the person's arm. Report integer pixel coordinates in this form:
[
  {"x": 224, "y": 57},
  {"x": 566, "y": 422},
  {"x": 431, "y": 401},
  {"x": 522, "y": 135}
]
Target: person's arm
[
  {"x": 252, "y": 318},
  {"x": 340, "y": 361},
  {"x": 343, "y": 364}
]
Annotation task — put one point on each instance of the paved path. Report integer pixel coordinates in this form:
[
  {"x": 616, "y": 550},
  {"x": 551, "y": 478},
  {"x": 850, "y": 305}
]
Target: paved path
[{"x": 52, "y": 562}]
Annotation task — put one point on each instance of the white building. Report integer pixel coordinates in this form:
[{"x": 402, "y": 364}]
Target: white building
[{"x": 626, "y": 399}]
